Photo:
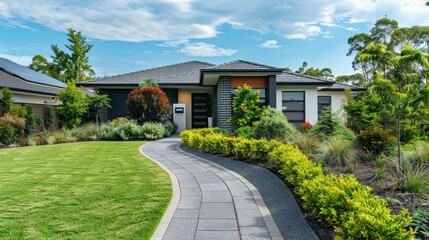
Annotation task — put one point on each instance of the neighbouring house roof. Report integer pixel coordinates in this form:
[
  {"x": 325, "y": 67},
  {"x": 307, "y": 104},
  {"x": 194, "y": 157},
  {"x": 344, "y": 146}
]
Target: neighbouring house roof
[
  {"x": 181, "y": 73},
  {"x": 294, "y": 79},
  {"x": 342, "y": 87},
  {"x": 19, "y": 78}
]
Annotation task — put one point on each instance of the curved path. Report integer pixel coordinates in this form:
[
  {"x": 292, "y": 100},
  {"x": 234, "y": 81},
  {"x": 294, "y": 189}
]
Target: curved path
[{"x": 212, "y": 202}]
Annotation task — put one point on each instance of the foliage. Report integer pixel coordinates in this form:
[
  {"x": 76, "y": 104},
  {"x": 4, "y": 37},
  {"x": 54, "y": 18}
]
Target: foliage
[
  {"x": 148, "y": 104},
  {"x": 306, "y": 142},
  {"x": 49, "y": 118},
  {"x": 337, "y": 151},
  {"x": 417, "y": 152},
  {"x": 325, "y": 73},
  {"x": 11, "y": 128},
  {"x": 73, "y": 104},
  {"x": 6, "y": 100},
  {"x": 420, "y": 222},
  {"x": 170, "y": 128},
  {"x": 330, "y": 125},
  {"x": 129, "y": 130},
  {"x": 336, "y": 200},
  {"x": 274, "y": 125},
  {"x": 86, "y": 132},
  {"x": 117, "y": 121},
  {"x": 244, "y": 132},
  {"x": 415, "y": 178},
  {"x": 96, "y": 103},
  {"x": 148, "y": 83},
  {"x": 356, "y": 79},
  {"x": 376, "y": 140},
  {"x": 305, "y": 127},
  {"x": 152, "y": 131},
  {"x": 246, "y": 109},
  {"x": 30, "y": 120},
  {"x": 67, "y": 67}
]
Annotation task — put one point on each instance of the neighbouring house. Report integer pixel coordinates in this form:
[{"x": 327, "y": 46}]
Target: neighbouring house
[
  {"x": 206, "y": 90},
  {"x": 28, "y": 86}
]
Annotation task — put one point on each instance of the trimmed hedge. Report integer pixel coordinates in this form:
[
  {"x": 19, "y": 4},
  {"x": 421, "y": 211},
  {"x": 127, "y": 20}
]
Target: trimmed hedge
[{"x": 335, "y": 200}]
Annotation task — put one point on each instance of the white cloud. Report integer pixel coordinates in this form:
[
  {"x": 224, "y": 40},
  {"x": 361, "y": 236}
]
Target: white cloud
[
  {"x": 22, "y": 60},
  {"x": 270, "y": 44},
  {"x": 201, "y": 49},
  {"x": 172, "y": 20},
  {"x": 174, "y": 43}
]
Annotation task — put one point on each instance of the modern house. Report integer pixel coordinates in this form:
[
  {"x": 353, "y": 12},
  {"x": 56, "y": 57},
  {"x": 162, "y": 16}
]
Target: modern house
[
  {"x": 207, "y": 90},
  {"x": 28, "y": 86}
]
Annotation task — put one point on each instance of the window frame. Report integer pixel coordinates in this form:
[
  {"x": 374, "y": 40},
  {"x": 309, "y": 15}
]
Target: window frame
[
  {"x": 302, "y": 111},
  {"x": 319, "y": 114}
]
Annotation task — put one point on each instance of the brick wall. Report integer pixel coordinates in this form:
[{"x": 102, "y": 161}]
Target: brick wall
[{"x": 223, "y": 109}]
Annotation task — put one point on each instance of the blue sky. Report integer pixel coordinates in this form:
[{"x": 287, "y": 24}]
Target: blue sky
[{"x": 132, "y": 35}]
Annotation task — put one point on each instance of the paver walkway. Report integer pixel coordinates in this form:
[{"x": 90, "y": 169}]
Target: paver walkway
[{"x": 209, "y": 202}]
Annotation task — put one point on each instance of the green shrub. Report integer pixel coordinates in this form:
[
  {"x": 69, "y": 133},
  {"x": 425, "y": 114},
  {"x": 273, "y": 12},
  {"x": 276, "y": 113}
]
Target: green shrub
[
  {"x": 49, "y": 118},
  {"x": 152, "y": 131},
  {"x": 246, "y": 107},
  {"x": 243, "y": 148},
  {"x": 306, "y": 142},
  {"x": 128, "y": 130},
  {"x": 376, "y": 140},
  {"x": 337, "y": 151},
  {"x": 87, "y": 132},
  {"x": 417, "y": 152},
  {"x": 274, "y": 125},
  {"x": 415, "y": 178},
  {"x": 30, "y": 120},
  {"x": 420, "y": 222},
  {"x": 330, "y": 125},
  {"x": 6, "y": 100},
  {"x": 11, "y": 128},
  {"x": 264, "y": 147},
  {"x": 115, "y": 122},
  {"x": 170, "y": 128},
  {"x": 244, "y": 132}
]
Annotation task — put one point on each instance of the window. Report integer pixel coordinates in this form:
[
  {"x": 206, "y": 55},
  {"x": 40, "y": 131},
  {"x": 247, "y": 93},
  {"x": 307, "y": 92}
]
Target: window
[
  {"x": 262, "y": 95},
  {"x": 323, "y": 102},
  {"x": 293, "y": 105}
]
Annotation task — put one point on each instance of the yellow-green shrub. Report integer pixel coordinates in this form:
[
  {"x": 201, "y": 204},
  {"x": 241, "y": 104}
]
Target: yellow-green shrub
[
  {"x": 243, "y": 148},
  {"x": 264, "y": 147}
]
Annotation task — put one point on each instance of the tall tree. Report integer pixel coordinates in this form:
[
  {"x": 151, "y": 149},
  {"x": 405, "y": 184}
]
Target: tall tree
[
  {"x": 67, "y": 67},
  {"x": 73, "y": 104}
]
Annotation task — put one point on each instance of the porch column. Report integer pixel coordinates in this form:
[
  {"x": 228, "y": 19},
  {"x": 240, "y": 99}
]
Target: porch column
[
  {"x": 271, "y": 91},
  {"x": 224, "y": 105}
]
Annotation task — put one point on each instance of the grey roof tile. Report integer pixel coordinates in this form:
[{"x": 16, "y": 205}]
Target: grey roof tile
[
  {"x": 28, "y": 74},
  {"x": 288, "y": 78},
  {"x": 181, "y": 73},
  {"x": 242, "y": 65},
  {"x": 342, "y": 86}
]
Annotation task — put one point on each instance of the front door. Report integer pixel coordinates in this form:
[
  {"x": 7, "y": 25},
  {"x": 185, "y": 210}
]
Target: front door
[{"x": 200, "y": 102}]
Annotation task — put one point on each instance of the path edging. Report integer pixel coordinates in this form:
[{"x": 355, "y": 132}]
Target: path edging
[{"x": 168, "y": 215}]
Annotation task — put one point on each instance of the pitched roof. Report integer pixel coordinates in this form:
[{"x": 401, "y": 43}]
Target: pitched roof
[
  {"x": 341, "y": 87},
  {"x": 28, "y": 74},
  {"x": 288, "y": 78},
  {"x": 181, "y": 73},
  {"x": 241, "y": 65},
  {"x": 20, "y": 78}
]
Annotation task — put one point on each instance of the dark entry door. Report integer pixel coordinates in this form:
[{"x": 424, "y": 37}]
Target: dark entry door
[{"x": 200, "y": 102}]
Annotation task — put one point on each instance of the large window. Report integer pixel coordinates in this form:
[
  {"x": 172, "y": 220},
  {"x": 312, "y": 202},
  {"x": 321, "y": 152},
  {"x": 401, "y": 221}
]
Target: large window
[
  {"x": 293, "y": 106},
  {"x": 323, "y": 102}
]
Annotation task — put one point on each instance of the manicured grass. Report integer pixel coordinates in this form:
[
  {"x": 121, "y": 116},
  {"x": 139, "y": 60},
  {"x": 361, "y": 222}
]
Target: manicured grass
[{"x": 88, "y": 190}]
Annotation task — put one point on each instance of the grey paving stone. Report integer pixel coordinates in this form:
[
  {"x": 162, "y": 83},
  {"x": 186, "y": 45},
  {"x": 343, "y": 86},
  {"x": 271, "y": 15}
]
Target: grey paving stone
[
  {"x": 217, "y": 196},
  {"x": 181, "y": 229},
  {"x": 254, "y": 233},
  {"x": 213, "y": 186},
  {"x": 217, "y": 210},
  {"x": 250, "y": 218},
  {"x": 226, "y": 176},
  {"x": 240, "y": 191},
  {"x": 245, "y": 203},
  {"x": 208, "y": 179},
  {"x": 225, "y": 224},
  {"x": 186, "y": 213},
  {"x": 189, "y": 202},
  {"x": 217, "y": 235},
  {"x": 192, "y": 191},
  {"x": 235, "y": 183}
]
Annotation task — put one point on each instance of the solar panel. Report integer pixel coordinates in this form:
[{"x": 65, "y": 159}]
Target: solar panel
[{"x": 28, "y": 74}]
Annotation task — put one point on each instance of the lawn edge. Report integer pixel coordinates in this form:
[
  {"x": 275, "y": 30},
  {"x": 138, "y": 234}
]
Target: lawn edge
[{"x": 169, "y": 212}]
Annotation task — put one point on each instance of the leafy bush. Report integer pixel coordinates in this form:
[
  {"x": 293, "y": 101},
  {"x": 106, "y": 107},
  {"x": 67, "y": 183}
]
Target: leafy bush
[
  {"x": 415, "y": 178},
  {"x": 306, "y": 142},
  {"x": 330, "y": 125},
  {"x": 274, "y": 125},
  {"x": 128, "y": 130},
  {"x": 11, "y": 128},
  {"x": 115, "y": 122},
  {"x": 152, "y": 131},
  {"x": 376, "y": 140},
  {"x": 305, "y": 127},
  {"x": 6, "y": 100},
  {"x": 170, "y": 128},
  {"x": 86, "y": 132},
  {"x": 30, "y": 120},
  {"x": 417, "y": 152},
  {"x": 73, "y": 104},
  {"x": 337, "y": 151},
  {"x": 420, "y": 222},
  {"x": 49, "y": 118},
  {"x": 244, "y": 132},
  {"x": 246, "y": 107},
  {"x": 148, "y": 104}
]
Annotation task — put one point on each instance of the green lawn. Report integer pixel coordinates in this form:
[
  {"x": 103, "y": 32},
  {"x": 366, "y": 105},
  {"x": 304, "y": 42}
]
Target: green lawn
[{"x": 88, "y": 190}]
